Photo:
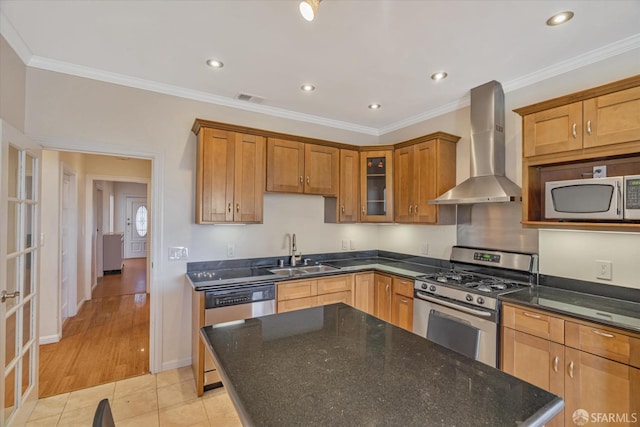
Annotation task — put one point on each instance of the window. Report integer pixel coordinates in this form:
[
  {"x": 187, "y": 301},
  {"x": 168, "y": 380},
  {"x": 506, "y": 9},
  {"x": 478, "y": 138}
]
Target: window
[{"x": 141, "y": 221}]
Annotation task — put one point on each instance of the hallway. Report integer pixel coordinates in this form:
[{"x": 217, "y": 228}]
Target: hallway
[{"x": 108, "y": 340}]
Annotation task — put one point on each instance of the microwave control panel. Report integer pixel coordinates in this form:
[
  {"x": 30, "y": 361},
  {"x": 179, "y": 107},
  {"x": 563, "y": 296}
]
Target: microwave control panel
[{"x": 632, "y": 197}]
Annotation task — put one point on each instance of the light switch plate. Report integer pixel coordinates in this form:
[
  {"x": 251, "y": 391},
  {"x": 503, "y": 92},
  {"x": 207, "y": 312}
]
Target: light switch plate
[
  {"x": 345, "y": 244},
  {"x": 600, "y": 171},
  {"x": 352, "y": 244},
  {"x": 178, "y": 252}
]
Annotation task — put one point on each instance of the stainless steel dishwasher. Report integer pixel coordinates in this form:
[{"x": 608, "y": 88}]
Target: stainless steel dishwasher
[{"x": 228, "y": 303}]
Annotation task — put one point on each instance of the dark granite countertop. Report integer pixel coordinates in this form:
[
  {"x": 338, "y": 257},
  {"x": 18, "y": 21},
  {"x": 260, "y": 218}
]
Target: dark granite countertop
[
  {"x": 335, "y": 365},
  {"x": 258, "y": 270},
  {"x": 596, "y": 308}
]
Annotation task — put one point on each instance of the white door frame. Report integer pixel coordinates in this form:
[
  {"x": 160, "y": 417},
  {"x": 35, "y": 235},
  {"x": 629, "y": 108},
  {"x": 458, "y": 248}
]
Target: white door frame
[
  {"x": 155, "y": 198},
  {"x": 27, "y": 400},
  {"x": 72, "y": 288}
]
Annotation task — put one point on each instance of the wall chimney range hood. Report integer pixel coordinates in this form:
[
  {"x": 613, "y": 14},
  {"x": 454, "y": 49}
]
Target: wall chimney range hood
[{"x": 487, "y": 183}]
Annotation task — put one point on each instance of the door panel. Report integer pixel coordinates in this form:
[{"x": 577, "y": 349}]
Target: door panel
[
  {"x": 19, "y": 228},
  {"x": 137, "y": 226}
]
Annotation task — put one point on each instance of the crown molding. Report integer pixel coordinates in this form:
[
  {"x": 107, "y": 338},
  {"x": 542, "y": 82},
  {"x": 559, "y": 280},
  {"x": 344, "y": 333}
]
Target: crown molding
[
  {"x": 14, "y": 39},
  {"x": 196, "y": 95}
]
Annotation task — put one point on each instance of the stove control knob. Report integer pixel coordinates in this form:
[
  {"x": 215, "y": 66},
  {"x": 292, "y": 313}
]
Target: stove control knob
[
  {"x": 432, "y": 288},
  {"x": 424, "y": 286},
  {"x": 480, "y": 300},
  {"x": 469, "y": 298}
]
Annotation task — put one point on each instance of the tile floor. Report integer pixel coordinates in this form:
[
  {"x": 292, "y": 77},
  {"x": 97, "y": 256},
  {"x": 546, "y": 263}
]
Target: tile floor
[{"x": 166, "y": 399}]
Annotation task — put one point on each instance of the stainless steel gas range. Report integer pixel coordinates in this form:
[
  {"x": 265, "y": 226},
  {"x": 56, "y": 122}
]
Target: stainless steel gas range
[{"x": 459, "y": 308}]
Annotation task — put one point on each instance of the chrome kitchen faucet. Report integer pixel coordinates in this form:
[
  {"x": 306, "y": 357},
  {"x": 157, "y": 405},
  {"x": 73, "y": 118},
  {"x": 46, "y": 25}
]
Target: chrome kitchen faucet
[{"x": 294, "y": 258}]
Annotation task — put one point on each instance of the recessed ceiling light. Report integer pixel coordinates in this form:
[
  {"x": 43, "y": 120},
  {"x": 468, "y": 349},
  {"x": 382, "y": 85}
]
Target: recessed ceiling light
[
  {"x": 307, "y": 88},
  {"x": 309, "y": 9},
  {"x": 214, "y": 63},
  {"x": 560, "y": 18},
  {"x": 440, "y": 75},
  {"x": 375, "y": 106}
]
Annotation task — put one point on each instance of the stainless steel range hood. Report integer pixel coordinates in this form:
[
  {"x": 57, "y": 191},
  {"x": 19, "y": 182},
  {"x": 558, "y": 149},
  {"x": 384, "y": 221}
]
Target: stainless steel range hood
[{"x": 487, "y": 183}]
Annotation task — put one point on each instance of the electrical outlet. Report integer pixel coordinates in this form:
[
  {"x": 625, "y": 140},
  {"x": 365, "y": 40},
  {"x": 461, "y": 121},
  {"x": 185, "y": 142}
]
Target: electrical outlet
[
  {"x": 345, "y": 244},
  {"x": 603, "y": 270},
  {"x": 231, "y": 250},
  {"x": 424, "y": 249},
  {"x": 600, "y": 171},
  {"x": 352, "y": 244}
]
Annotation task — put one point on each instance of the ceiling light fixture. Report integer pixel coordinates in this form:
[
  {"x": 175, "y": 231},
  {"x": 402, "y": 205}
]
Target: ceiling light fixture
[
  {"x": 214, "y": 63},
  {"x": 309, "y": 9},
  {"x": 440, "y": 75},
  {"x": 560, "y": 18},
  {"x": 375, "y": 106},
  {"x": 307, "y": 88}
]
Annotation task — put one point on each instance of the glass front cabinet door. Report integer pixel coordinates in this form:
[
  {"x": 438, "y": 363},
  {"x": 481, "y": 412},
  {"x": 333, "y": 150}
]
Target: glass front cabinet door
[{"x": 376, "y": 186}]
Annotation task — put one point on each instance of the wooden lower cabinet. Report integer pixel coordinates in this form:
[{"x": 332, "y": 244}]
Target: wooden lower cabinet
[
  {"x": 364, "y": 293},
  {"x": 382, "y": 296},
  {"x": 597, "y": 369},
  {"x": 402, "y": 303},
  {"x": 299, "y": 294}
]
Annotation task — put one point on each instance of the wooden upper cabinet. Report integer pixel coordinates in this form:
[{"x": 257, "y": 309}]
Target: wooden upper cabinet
[
  {"x": 612, "y": 119},
  {"x": 321, "y": 167},
  {"x": 285, "y": 166},
  {"x": 424, "y": 171},
  {"x": 348, "y": 200},
  {"x": 376, "y": 186},
  {"x": 229, "y": 177},
  {"x": 296, "y": 167},
  {"x": 553, "y": 131}
]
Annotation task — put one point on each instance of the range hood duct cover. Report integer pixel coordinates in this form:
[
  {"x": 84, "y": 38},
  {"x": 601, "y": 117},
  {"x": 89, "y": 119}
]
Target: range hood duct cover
[{"x": 487, "y": 183}]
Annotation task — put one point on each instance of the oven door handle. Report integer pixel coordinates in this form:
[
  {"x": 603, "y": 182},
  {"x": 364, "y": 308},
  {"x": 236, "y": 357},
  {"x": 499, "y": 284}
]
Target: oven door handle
[{"x": 454, "y": 306}]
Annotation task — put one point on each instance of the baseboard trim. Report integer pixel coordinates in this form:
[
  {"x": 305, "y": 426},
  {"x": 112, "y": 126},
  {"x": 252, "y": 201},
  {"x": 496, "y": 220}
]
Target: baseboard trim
[
  {"x": 49, "y": 339},
  {"x": 175, "y": 364}
]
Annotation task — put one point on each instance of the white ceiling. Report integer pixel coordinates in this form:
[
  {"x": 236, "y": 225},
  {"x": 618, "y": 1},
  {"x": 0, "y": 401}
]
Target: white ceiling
[{"x": 355, "y": 52}]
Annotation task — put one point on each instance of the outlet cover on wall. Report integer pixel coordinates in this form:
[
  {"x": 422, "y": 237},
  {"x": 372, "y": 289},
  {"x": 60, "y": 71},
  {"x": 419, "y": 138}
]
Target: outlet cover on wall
[
  {"x": 231, "y": 250},
  {"x": 424, "y": 249},
  {"x": 352, "y": 244},
  {"x": 345, "y": 244},
  {"x": 603, "y": 269}
]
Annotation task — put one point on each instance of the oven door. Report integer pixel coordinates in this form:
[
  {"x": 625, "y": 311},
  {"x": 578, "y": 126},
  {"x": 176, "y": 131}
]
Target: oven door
[{"x": 469, "y": 331}]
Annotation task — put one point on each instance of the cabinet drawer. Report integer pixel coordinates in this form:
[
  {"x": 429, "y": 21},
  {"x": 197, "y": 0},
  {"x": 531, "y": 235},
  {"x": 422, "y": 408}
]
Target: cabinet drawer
[
  {"x": 603, "y": 342},
  {"x": 335, "y": 284},
  {"x": 533, "y": 322},
  {"x": 297, "y": 304},
  {"x": 403, "y": 287},
  {"x": 297, "y": 289},
  {"x": 335, "y": 297}
]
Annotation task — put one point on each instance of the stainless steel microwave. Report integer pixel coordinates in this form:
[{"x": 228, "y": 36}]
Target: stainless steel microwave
[{"x": 613, "y": 198}]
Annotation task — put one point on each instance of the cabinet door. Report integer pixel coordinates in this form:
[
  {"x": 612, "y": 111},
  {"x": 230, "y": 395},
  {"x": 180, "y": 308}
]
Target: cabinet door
[
  {"x": 553, "y": 131},
  {"x": 349, "y": 186},
  {"x": 249, "y": 178},
  {"x": 382, "y": 297},
  {"x": 364, "y": 293},
  {"x": 215, "y": 176},
  {"x": 612, "y": 119},
  {"x": 285, "y": 166},
  {"x": 376, "y": 190},
  {"x": 402, "y": 312},
  {"x": 403, "y": 201},
  {"x": 600, "y": 386},
  {"x": 297, "y": 304},
  {"x": 341, "y": 283},
  {"x": 321, "y": 167},
  {"x": 297, "y": 289},
  {"x": 534, "y": 360},
  {"x": 335, "y": 297}
]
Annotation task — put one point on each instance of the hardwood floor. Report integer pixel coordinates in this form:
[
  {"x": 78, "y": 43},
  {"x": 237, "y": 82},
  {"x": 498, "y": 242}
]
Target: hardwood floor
[{"x": 108, "y": 340}]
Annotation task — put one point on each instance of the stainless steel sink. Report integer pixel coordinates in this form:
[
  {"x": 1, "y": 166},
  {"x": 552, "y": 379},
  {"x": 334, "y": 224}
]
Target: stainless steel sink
[{"x": 303, "y": 269}]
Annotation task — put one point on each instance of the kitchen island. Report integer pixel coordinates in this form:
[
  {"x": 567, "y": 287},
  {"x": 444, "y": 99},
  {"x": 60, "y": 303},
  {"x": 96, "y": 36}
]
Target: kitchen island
[{"x": 335, "y": 365}]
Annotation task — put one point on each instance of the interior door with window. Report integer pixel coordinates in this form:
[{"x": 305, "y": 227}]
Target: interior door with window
[
  {"x": 19, "y": 254},
  {"x": 135, "y": 242}
]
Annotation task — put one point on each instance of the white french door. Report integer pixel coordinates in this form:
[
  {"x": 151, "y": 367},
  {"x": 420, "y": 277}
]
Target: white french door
[
  {"x": 135, "y": 240},
  {"x": 19, "y": 281}
]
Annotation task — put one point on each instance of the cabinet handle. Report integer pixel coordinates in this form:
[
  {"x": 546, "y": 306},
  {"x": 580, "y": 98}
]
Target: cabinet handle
[
  {"x": 410, "y": 209},
  {"x": 363, "y": 211},
  {"x": 535, "y": 316},
  {"x": 574, "y": 131},
  {"x": 602, "y": 334},
  {"x": 404, "y": 300},
  {"x": 238, "y": 207},
  {"x": 342, "y": 209},
  {"x": 301, "y": 179},
  {"x": 415, "y": 209},
  {"x": 589, "y": 127},
  {"x": 571, "y": 369},
  {"x": 555, "y": 364},
  {"x": 308, "y": 180},
  {"x": 229, "y": 207},
  {"x": 386, "y": 289}
]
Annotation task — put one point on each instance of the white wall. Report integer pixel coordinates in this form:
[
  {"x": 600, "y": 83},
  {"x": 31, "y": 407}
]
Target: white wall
[
  {"x": 121, "y": 191},
  {"x": 67, "y": 111},
  {"x": 13, "y": 80}
]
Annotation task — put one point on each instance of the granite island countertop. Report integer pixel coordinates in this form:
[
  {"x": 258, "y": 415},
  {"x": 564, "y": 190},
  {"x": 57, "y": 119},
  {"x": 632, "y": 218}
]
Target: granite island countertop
[{"x": 335, "y": 365}]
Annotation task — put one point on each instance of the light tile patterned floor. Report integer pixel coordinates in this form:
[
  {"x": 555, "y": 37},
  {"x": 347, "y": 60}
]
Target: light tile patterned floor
[{"x": 166, "y": 399}]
